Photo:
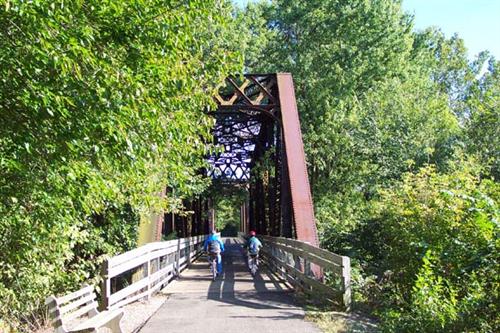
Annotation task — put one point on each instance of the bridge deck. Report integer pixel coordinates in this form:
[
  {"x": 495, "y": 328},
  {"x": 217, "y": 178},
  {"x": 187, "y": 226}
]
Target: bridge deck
[{"x": 235, "y": 303}]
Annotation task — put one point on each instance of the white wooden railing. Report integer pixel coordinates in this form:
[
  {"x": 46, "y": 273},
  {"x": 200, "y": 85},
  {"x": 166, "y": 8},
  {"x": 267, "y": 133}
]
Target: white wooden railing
[
  {"x": 144, "y": 270},
  {"x": 291, "y": 259}
]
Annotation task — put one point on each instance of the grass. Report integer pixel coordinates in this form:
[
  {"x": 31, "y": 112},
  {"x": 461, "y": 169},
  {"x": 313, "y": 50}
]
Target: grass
[
  {"x": 329, "y": 320},
  {"x": 341, "y": 322}
]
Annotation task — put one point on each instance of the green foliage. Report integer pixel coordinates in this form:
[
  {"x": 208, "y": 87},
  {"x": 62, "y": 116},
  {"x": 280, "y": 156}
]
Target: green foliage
[
  {"x": 227, "y": 217},
  {"x": 445, "y": 62},
  {"x": 483, "y": 123},
  {"x": 433, "y": 305},
  {"x": 452, "y": 214},
  {"x": 369, "y": 112},
  {"x": 386, "y": 115},
  {"x": 101, "y": 106},
  {"x": 455, "y": 217},
  {"x": 227, "y": 203}
]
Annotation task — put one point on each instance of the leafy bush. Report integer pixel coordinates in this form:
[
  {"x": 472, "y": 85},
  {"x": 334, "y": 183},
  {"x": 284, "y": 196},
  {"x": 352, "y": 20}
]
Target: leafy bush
[
  {"x": 432, "y": 307},
  {"x": 425, "y": 256},
  {"x": 227, "y": 202},
  {"x": 455, "y": 217}
]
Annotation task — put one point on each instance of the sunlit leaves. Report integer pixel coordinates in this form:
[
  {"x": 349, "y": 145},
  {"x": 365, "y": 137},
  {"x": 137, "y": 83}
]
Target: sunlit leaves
[
  {"x": 454, "y": 216},
  {"x": 102, "y": 105},
  {"x": 378, "y": 104}
]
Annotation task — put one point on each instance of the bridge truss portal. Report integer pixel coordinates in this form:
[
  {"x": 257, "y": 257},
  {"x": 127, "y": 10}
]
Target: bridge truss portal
[{"x": 258, "y": 132}]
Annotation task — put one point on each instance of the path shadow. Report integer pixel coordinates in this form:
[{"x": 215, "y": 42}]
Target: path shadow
[{"x": 223, "y": 289}]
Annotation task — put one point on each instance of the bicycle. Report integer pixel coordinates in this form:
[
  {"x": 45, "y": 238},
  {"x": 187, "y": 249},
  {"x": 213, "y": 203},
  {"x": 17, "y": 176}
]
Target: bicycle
[
  {"x": 253, "y": 263},
  {"x": 213, "y": 265}
]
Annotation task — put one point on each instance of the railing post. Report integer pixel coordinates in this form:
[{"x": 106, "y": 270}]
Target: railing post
[
  {"x": 346, "y": 282},
  {"x": 148, "y": 272},
  {"x": 105, "y": 286},
  {"x": 198, "y": 246},
  {"x": 177, "y": 259},
  {"x": 285, "y": 261},
  {"x": 307, "y": 267},
  {"x": 188, "y": 253},
  {"x": 282, "y": 256}
]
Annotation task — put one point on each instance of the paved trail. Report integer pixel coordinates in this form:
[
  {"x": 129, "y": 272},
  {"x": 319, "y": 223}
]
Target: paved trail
[{"x": 235, "y": 303}]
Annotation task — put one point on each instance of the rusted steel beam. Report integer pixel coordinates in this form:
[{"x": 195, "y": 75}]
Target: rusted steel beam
[
  {"x": 239, "y": 89},
  {"x": 264, "y": 89},
  {"x": 303, "y": 213}
]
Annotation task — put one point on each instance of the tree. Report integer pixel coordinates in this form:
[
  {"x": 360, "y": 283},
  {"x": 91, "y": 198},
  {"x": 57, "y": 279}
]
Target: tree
[
  {"x": 483, "y": 122},
  {"x": 101, "y": 106},
  {"x": 370, "y": 108},
  {"x": 385, "y": 112}
]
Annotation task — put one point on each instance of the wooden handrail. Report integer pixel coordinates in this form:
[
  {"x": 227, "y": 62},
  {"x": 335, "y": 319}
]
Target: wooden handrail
[
  {"x": 292, "y": 259},
  {"x": 168, "y": 258}
]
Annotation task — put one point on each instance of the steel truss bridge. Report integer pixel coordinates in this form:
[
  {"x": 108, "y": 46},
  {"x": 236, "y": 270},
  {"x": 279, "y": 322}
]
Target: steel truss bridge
[
  {"x": 260, "y": 150},
  {"x": 260, "y": 145}
]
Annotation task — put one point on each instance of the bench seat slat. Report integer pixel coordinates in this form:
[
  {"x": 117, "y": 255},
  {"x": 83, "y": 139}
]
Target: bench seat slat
[
  {"x": 73, "y": 295},
  {"x": 81, "y": 304},
  {"x": 99, "y": 320},
  {"x": 77, "y": 303},
  {"x": 80, "y": 312}
]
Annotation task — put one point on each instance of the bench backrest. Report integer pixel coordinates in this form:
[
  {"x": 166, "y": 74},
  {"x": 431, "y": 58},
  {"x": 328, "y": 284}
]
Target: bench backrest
[{"x": 66, "y": 308}]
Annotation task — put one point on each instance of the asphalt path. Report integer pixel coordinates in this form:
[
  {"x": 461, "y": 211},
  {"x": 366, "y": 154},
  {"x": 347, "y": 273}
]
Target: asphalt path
[{"x": 235, "y": 302}]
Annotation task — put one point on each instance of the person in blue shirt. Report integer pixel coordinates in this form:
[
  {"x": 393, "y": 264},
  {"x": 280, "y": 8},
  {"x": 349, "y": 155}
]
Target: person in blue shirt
[
  {"x": 253, "y": 246},
  {"x": 213, "y": 244},
  {"x": 253, "y": 243}
]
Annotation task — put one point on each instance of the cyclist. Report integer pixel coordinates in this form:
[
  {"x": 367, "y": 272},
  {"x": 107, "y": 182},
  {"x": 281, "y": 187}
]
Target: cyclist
[
  {"x": 253, "y": 245},
  {"x": 214, "y": 245}
]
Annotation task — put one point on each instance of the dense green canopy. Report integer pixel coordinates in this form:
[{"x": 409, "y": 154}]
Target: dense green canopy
[
  {"x": 101, "y": 107},
  {"x": 401, "y": 133}
]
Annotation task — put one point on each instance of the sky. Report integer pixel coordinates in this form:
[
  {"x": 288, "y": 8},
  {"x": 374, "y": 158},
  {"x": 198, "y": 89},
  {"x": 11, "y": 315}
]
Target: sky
[{"x": 477, "y": 22}]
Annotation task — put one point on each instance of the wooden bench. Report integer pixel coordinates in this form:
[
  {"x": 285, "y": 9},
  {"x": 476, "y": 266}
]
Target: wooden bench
[{"x": 77, "y": 312}]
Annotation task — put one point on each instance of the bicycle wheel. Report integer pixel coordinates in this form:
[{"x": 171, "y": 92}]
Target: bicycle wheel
[
  {"x": 253, "y": 266},
  {"x": 214, "y": 269}
]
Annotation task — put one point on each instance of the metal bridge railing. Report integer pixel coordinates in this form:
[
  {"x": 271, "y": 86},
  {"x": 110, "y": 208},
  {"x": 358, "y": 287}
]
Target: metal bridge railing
[
  {"x": 140, "y": 272},
  {"x": 292, "y": 260}
]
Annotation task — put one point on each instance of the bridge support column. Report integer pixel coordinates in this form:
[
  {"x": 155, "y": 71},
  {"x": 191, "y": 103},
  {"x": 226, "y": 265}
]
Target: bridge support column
[
  {"x": 150, "y": 227},
  {"x": 211, "y": 216},
  {"x": 303, "y": 214},
  {"x": 244, "y": 218}
]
